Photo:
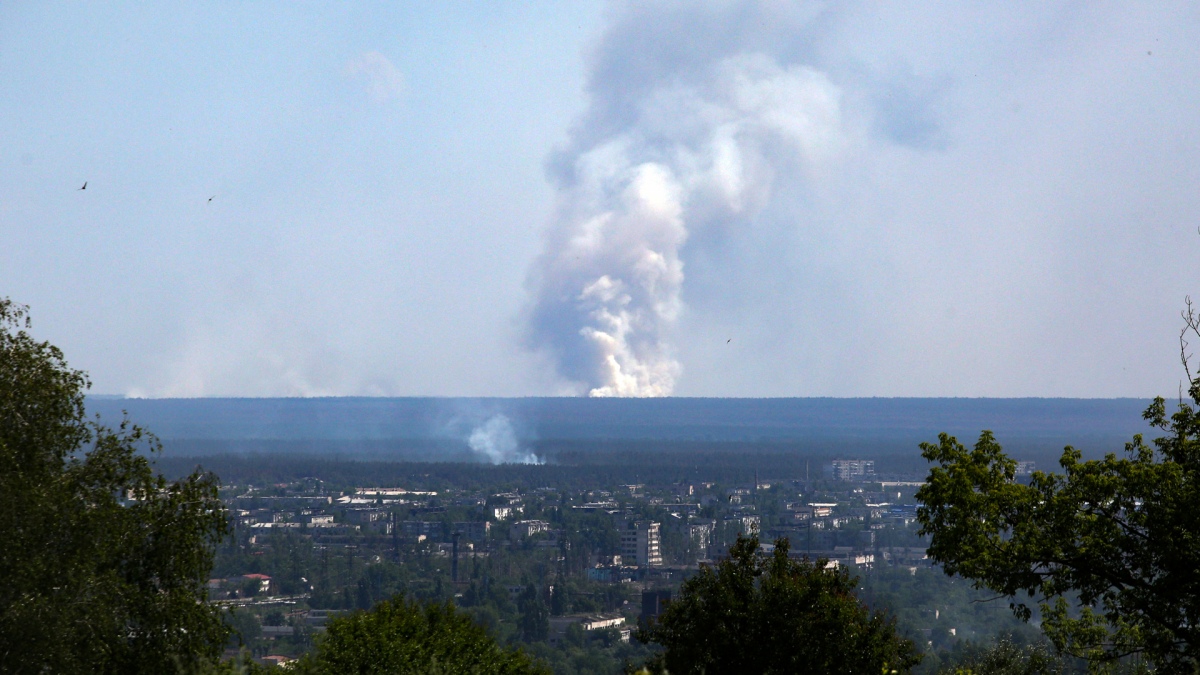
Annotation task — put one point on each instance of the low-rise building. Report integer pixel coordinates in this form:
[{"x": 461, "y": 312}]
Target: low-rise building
[
  {"x": 319, "y": 617},
  {"x": 366, "y": 516},
  {"x": 506, "y": 512},
  {"x": 744, "y": 523},
  {"x": 523, "y": 529},
  {"x": 432, "y": 529},
  {"x": 472, "y": 530},
  {"x": 588, "y": 622}
]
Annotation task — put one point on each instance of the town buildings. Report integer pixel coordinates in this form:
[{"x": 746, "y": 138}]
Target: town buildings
[
  {"x": 641, "y": 543},
  {"x": 853, "y": 469}
]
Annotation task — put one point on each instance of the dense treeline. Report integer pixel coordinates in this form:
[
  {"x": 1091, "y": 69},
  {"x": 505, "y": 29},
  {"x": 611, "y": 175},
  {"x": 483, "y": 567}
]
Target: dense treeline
[
  {"x": 569, "y": 464},
  {"x": 658, "y": 468},
  {"x": 902, "y": 422}
]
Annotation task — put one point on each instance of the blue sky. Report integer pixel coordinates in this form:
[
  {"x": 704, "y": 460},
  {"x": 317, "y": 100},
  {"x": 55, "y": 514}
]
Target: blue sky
[{"x": 942, "y": 201}]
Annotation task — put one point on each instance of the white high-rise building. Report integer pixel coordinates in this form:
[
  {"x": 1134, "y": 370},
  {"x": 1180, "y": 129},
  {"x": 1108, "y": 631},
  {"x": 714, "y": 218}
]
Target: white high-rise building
[
  {"x": 641, "y": 543},
  {"x": 851, "y": 469}
]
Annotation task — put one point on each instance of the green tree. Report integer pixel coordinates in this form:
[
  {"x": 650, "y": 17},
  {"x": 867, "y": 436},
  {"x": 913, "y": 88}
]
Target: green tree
[
  {"x": 103, "y": 561},
  {"x": 560, "y": 598},
  {"x": 1007, "y": 658},
  {"x": 1109, "y": 549},
  {"x": 757, "y": 613},
  {"x": 534, "y": 615},
  {"x": 400, "y": 636},
  {"x": 244, "y": 626}
]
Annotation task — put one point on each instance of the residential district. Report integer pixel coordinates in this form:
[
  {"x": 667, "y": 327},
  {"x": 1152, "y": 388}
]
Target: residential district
[{"x": 569, "y": 573}]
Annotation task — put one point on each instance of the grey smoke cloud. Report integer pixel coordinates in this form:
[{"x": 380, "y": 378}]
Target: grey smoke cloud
[
  {"x": 692, "y": 153},
  {"x": 1004, "y": 203},
  {"x": 496, "y": 441}
]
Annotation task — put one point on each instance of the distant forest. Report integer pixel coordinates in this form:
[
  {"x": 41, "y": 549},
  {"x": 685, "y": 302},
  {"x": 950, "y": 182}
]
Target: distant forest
[{"x": 688, "y": 437}]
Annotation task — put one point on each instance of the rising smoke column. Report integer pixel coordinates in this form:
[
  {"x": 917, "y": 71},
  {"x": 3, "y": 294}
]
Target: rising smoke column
[{"x": 699, "y": 147}]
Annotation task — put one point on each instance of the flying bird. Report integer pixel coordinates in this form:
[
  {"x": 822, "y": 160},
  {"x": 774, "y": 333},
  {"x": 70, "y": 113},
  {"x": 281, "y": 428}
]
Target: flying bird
[
  {"x": 211, "y": 198},
  {"x": 84, "y": 185},
  {"x": 729, "y": 340}
]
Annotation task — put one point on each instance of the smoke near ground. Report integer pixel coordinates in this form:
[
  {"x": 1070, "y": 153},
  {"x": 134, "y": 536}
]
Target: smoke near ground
[
  {"x": 495, "y": 441},
  {"x": 697, "y": 147}
]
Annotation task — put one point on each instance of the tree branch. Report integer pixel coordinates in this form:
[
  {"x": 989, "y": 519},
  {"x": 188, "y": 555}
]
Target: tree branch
[{"x": 1191, "y": 322}]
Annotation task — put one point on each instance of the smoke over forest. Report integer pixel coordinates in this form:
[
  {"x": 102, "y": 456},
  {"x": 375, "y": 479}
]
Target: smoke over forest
[{"x": 694, "y": 145}]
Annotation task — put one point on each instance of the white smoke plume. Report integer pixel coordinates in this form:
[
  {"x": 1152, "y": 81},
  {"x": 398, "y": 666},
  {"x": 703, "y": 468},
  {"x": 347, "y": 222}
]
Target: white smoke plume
[
  {"x": 691, "y": 149},
  {"x": 495, "y": 441}
]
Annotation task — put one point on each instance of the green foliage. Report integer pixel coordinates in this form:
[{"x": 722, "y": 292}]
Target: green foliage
[
  {"x": 1110, "y": 548},
  {"x": 583, "y": 652},
  {"x": 1007, "y": 658},
  {"x": 770, "y": 614},
  {"x": 244, "y": 627},
  {"x": 925, "y": 599},
  {"x": 274, "y": 617},
  {"x": 401, "y": 636},
  {"x": 242, "y": 664},
  {"x": 534, "y": 615},
  {"x": 103, "y": 561}
]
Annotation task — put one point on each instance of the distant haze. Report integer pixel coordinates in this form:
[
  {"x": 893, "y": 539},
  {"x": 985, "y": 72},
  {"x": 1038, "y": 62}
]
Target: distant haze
[
  {"x": 497, "y": 430},
  {"x": 495, "y": 199}
]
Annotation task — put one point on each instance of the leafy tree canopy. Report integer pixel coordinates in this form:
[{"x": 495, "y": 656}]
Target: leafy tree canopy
[
  {"x": 1007, "y": 658},
  {"x": 534, "y": 615},
  {"x": 401, "y": 636},
  {"x": 757, "y": 613},
  {"x": 103, "y": 561},
  {"x": 1119, "y": 535}
]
